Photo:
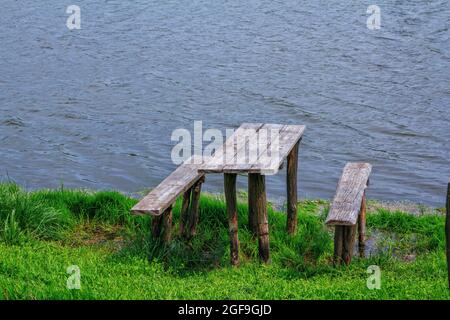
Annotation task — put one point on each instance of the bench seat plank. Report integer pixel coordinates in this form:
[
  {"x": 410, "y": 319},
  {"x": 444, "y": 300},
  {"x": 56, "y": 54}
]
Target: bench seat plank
[
  {"x": 346, "y": 205},
  {"x": 165, "y": 194}
]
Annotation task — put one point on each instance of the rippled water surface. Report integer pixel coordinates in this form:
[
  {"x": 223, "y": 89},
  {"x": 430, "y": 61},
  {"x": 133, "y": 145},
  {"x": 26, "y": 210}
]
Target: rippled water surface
[{"x": 96, "y": 107}]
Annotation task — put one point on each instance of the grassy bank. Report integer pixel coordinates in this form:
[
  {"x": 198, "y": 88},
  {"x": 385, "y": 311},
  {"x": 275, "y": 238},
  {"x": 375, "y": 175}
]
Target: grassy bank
[{"x": 44, "y": 232}]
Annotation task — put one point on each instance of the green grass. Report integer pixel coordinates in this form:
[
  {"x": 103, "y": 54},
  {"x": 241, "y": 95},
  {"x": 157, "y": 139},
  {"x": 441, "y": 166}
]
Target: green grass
[{"x": 44, "y": 232}]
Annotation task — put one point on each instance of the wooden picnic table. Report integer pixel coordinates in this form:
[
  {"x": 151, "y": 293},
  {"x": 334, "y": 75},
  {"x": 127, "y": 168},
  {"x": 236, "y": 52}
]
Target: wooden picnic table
[{"x": 242, "y": 154}]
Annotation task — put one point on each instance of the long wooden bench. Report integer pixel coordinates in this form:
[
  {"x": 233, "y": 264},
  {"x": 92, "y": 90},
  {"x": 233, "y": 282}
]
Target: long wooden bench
[
  {"x": 349, "y": 208},
  {"x": 184, "y": 180}
]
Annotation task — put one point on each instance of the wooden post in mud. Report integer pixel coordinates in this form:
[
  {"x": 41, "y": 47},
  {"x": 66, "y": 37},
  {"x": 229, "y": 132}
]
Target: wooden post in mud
[
  {"x": 291, "y": 182},
  {"x": 191, "y": 228},
  {"x": 447, "y": 233},
  {"x": 362, "y": 227},
  {"x": 230, "y": 196},
  {"x": 259, "y": 203}
]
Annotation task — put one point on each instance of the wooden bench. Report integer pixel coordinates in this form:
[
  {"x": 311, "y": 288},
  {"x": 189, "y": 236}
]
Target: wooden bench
[
  {"x": 347, "y": 209},
  {"x": 184, "y": 180}
]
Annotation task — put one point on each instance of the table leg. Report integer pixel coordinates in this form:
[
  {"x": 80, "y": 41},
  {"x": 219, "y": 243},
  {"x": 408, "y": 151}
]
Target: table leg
[
  {"x": 252, "y": 213},
  {"x": 291, "y": 182},
  {"x": 230, "y": 197},
  {"x": 259, "y": 203}
]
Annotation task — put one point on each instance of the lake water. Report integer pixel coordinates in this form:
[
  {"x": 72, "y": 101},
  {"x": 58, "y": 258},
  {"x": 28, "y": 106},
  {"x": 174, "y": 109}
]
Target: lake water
[{"x": 96, "y": 107}]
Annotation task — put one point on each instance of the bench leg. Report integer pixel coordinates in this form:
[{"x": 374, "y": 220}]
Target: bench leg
[
  {"x": 338, "y": 243},
  {"x": 344, "y": 241},
  {"x": 291, "y": 182},
  {"x": 362, "y": 227},
  {"x": 252, "y": 213},
  {"x": 167, "y": 225},
  {"x": 348, "y": 243},
  {"x": 162, "y": 226},
  {"x": 230, "y": 197},
  {"x": 156, "y": 226},
  {"x": 184, "y": 214},
  {"x": 193, "y": 210},
  {"x": 259, "y": 203}
]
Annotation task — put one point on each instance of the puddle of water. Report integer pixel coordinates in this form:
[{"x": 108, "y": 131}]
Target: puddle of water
[{"x": 380, "y": 242}]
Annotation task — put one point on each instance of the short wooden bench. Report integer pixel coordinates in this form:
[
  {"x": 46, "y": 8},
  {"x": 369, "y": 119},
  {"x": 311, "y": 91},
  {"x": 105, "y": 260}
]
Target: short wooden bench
[
  {"x": 184, "y": 180},
  {"x": 349, "y": 208}
]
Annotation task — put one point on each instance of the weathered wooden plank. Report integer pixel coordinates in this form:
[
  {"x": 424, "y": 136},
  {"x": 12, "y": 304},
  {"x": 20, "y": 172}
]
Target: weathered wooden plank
[
  {"x": 345, "y": 207},
  {"x": 226, "y": 153},
  {"x": 265, "y": 157},
  {"x": 246, "y": 146},
  {"x": 226, "y": 159},
  {"x": 289, "y": 136},
  {"x": 256, "y": 149},
  {"x": 160, "y": 198},
  {"x": 267, "y": 163}
]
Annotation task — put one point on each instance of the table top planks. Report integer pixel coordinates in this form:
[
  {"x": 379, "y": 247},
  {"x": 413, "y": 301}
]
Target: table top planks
[{"x": 254, "y": 148}]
